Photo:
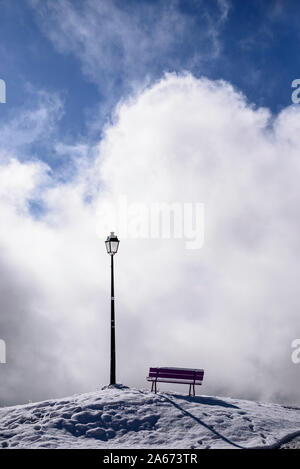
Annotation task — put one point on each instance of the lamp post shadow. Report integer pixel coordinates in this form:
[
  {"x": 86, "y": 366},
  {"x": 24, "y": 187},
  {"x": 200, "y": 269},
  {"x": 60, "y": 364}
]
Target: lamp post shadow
[{"x": 200, "y": 422}]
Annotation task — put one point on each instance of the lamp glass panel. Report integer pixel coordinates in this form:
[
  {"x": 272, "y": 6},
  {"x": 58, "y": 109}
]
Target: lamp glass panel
[
  {"x": 107, "y": 244},
  {"x": 114, "y": 246}
]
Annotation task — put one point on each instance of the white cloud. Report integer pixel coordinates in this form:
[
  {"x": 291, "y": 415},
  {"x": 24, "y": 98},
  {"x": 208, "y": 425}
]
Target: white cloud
[
  {"x": 34, "y": 121},
  {"x": 196, "y": 140},
  {"x": 230, "y": 307},
  {"x": 20, "y": 182},
  {"x": 120, "y": 45}
]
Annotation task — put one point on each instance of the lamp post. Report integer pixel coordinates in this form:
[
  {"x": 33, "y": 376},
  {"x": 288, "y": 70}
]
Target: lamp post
[{"x": 112, "y": 244}]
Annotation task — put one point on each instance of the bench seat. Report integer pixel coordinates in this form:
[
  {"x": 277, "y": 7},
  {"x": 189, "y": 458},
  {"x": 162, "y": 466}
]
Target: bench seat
[{"x": 191, "y": 376}]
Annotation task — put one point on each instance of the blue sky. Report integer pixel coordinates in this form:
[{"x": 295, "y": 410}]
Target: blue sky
[{"x": 252, "y": 44}]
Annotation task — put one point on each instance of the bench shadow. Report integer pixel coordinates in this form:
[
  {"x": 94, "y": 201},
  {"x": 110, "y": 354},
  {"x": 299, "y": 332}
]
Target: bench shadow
[
  {"x": 186, "y": 412},
  {"x": 206, "y": 401}
]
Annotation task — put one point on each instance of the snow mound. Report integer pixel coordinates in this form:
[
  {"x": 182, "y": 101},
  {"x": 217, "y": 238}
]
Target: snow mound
[{"x": 119, "y": 417}]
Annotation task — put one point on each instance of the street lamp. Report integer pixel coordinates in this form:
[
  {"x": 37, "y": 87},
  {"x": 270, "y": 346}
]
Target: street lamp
[{"x": 112, "y": 244}]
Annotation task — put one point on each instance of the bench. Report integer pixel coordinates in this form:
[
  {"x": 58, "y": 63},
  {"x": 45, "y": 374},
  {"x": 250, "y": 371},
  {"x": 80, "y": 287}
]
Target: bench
[{"x": 189, "y": 376}]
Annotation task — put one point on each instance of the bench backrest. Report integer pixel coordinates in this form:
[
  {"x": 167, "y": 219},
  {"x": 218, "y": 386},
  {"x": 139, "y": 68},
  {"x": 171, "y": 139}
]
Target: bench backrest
[{"x": 177, "y": 374}]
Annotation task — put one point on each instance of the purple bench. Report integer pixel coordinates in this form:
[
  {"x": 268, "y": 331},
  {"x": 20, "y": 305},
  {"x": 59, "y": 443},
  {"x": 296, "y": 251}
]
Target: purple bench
[{"x": 176, "y": 375}]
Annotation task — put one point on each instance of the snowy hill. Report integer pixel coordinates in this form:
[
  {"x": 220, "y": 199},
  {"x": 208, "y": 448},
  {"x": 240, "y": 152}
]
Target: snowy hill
[{"x": 120, "y": 417}]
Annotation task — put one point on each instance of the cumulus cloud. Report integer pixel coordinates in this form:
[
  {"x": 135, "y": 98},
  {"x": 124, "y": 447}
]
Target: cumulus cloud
[
  {"x": 233, "y": 305},
  {"x": 230, "y": 307}
]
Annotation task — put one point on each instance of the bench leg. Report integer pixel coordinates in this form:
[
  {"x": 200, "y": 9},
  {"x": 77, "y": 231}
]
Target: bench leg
[
  {"x": 153, "y": 387},
  {"x": 192, "y": 390}
]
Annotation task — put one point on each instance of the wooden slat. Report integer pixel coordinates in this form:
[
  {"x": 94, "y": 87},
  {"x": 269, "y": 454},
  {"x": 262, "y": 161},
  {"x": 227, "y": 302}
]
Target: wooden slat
[
  {"x": 162, "y": 380},
  {"x": 179, "y": 370},
  {"x": 176, "y": 373},
  {"x": 176, "y": 376}
]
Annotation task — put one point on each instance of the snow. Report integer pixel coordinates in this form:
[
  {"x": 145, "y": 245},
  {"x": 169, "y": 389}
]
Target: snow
[{"x": 121, "y": 417}]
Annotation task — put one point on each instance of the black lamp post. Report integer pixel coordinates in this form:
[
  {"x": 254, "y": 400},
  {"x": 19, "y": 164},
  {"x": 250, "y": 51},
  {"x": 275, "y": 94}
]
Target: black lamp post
[{"x": 112, "y": 244}]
